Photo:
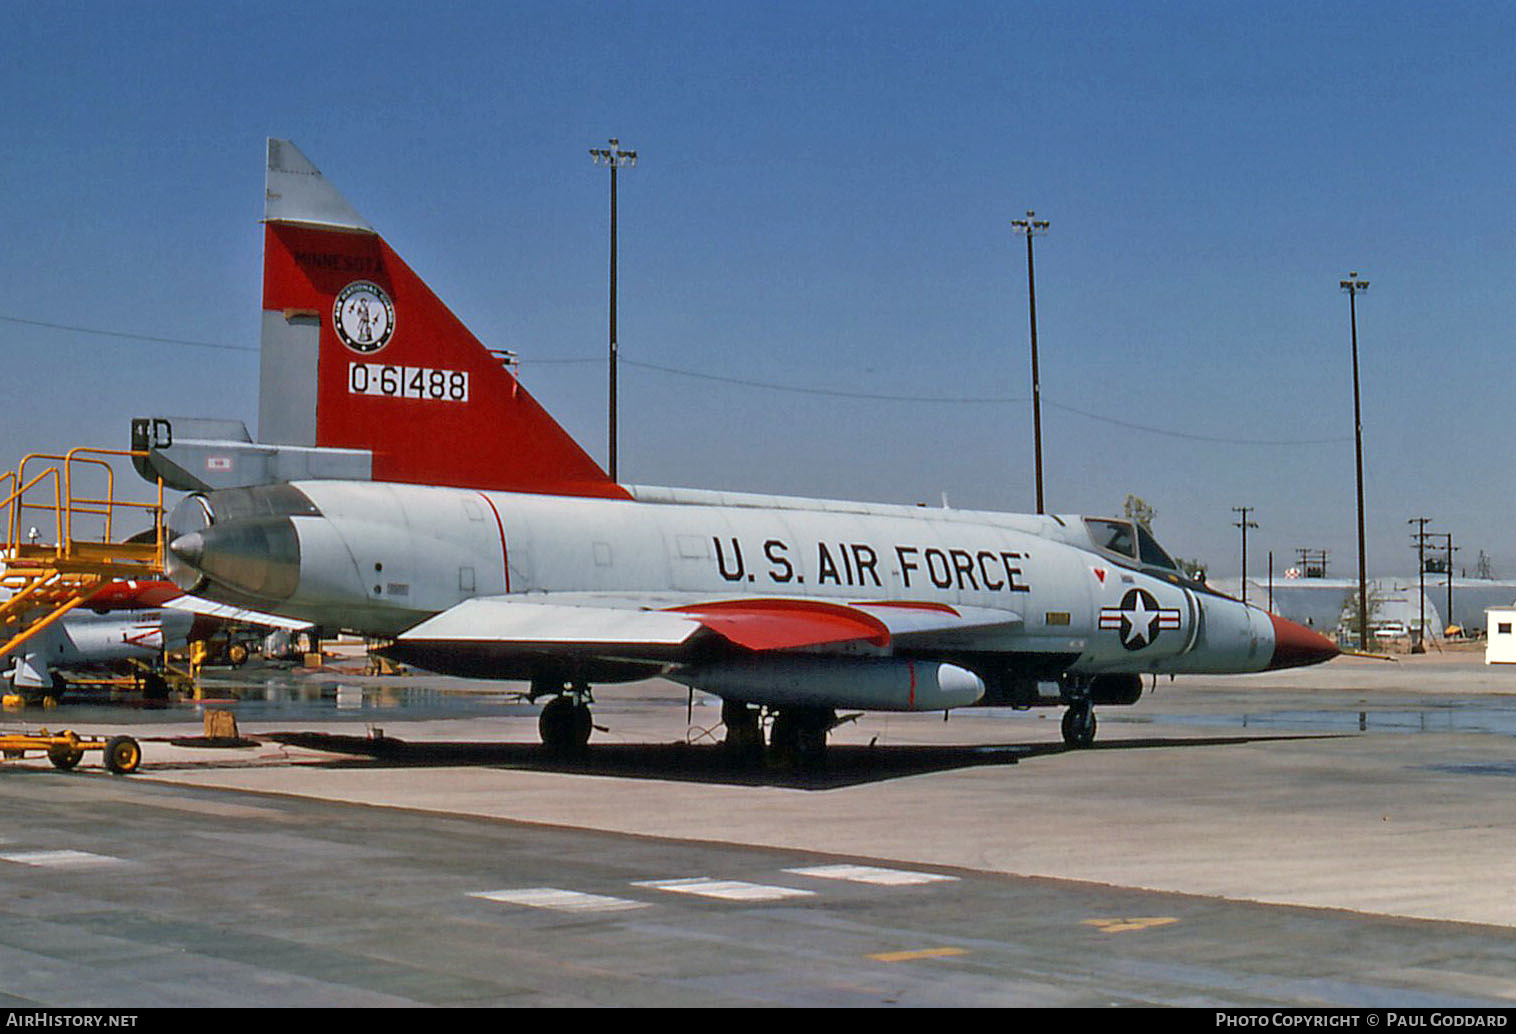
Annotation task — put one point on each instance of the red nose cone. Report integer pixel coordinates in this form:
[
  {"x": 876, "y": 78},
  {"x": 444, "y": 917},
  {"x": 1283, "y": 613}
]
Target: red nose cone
[{"x": 1296, "y": 646}]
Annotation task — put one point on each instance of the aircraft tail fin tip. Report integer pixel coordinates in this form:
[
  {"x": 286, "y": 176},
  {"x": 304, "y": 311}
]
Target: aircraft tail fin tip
[{"x": 296, "y": 192}]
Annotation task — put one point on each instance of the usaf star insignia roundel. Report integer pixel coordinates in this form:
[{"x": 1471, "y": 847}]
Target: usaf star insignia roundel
[{"x": 1139, "y": 619}]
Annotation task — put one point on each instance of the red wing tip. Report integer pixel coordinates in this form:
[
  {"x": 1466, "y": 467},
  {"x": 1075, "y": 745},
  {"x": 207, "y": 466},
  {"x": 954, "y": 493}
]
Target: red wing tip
[{"x": 1296, "y": 646}]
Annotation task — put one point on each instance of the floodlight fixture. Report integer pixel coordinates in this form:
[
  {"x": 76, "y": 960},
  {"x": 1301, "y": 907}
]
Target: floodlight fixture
[{"x": 614, "y": 156}]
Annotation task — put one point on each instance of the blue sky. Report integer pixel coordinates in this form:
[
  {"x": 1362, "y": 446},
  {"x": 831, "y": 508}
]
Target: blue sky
[{"x": 822, "y": 201}]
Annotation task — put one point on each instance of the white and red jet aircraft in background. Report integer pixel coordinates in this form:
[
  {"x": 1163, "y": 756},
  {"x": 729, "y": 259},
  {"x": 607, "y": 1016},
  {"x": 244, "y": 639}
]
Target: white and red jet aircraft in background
[
  {"x": 122, "y": 624},
  {"x": 406, "y": 486}
]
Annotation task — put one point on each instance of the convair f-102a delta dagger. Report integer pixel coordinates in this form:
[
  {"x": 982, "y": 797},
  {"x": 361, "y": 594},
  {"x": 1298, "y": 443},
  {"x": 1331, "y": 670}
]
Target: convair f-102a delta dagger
[{"x": 407, "y": 487}]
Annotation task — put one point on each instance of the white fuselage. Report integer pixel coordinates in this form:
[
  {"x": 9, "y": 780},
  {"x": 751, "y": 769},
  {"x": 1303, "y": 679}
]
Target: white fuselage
[
  {"x": 86, "y": 639},
  {"x": 381, "y": 557}
]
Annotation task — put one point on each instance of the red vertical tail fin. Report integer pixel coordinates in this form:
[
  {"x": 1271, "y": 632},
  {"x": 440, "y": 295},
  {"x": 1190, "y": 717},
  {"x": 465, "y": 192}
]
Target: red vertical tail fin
[{"x": 358, "y": 353}]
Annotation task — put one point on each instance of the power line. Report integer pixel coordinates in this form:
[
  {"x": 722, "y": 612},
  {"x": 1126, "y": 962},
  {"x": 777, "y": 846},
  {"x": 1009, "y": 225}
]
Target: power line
[
  {"x": 130, "y": 337},
  {"x": 756, "y": 384},
  {"x": 829, "y": 392},
  {"x": 972, "y": 400},
  {"x": 1195, "y": 437}
]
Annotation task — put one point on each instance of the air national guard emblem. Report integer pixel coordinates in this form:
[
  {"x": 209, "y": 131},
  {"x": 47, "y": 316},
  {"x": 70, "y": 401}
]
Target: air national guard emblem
[
  {"x": 364, "y": 317},
  {"x": 1139, "y": 619}
]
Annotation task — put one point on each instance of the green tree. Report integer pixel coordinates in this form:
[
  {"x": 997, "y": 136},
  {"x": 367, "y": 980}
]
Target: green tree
[
  {"x": 1137, "y": 509},
  {"x": 1348, "y": 621},
  {"x": 1142, "y": 513}
]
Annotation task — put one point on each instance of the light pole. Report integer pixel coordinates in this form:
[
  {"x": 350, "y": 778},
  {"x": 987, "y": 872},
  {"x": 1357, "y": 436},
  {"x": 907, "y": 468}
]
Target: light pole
[
  {"x": 614, "y": 157},
  {"x": 1032, "y": 227},
  {"x": 1352, "y": 285},
  {"x": 1244, "y": 524}
]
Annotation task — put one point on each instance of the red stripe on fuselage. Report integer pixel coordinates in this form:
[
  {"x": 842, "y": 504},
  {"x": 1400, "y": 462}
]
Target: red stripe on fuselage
[{"x": 505, "y": 556}]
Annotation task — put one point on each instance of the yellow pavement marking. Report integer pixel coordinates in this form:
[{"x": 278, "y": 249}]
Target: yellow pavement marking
[
  {"x": 1129, "y": 923},
  {"x": 921, "y": 953}
]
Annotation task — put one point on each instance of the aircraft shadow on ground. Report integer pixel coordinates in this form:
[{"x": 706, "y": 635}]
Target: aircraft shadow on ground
[{"x": 845, "y": 765}]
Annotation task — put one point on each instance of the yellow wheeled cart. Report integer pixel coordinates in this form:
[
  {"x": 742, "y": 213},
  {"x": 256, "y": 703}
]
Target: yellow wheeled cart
[{"x": 65, "y": 749}]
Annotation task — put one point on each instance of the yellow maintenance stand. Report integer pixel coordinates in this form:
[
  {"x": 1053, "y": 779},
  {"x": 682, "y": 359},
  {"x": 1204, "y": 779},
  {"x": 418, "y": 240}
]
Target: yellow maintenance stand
[{"x": 60, "y": 519}]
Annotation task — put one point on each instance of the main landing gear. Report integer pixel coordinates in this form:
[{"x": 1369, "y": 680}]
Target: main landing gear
[
  {"x": 797, "y": 735},
  {"x": 744, "y": 731},
  {"x": 564, "y": 724}
]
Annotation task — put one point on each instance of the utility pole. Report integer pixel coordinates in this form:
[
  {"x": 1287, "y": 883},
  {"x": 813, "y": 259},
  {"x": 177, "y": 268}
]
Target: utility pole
[
  {"x": 1448, "y": 617},
  {"x": 1244, "y": 524},
  {"x": 613, "y": 157},
  {"x": 1417, "y": 643},
  {"x": 1353, "y": 286},
  {"x": 1032, "y": 227},
  {"x": 1312, "y": 562}
]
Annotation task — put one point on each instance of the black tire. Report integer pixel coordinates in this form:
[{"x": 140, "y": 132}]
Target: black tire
[
  {"x": 798, "y": 736},
  {"x": 122, "y": 755},
  {"x": 564, "y": 725},
  {"x": 784, "y": 733},
  {"x": 810, "y": 747},
  {"x": 744, "y": 732},
  {"x": 1079, "y": 726},
  {"x": 64, "y": 757}
]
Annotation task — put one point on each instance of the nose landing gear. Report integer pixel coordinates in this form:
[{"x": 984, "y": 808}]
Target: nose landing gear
[{"x": 1079, "y": 724}]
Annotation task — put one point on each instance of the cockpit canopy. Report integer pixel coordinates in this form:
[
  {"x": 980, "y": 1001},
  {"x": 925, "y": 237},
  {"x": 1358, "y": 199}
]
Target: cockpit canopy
[{"x": 1130, "y": 543}]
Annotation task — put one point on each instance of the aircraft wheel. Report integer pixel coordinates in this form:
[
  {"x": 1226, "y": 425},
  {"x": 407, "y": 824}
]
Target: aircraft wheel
[
  {"x": 1079, "y": 726},
  {"x": 784, "y": 733},
  {"x": 799, "y": 735},
  {"x": 564, "y": 725},
  {"x": 744, "y": 730},
  {"x": 154, "y": 687},
  {"x": 810, "y": 750},
  {"x": 64, "y": 757},
  {"x": 122, "y": 755}
]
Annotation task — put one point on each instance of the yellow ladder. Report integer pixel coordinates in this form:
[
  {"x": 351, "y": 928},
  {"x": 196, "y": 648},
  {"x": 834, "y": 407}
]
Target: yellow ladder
[{"x": 48, "y": 579}]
